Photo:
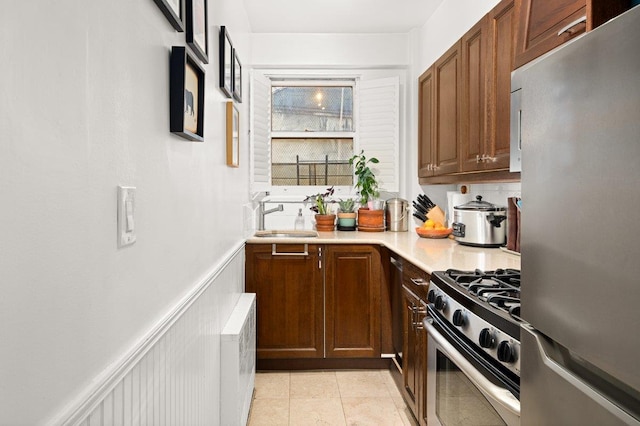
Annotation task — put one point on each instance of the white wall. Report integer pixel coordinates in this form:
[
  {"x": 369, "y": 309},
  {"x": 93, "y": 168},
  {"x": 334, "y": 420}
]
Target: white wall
[
  {"x": 319, "y": 51},
  {"x": 83, "y": 109}
]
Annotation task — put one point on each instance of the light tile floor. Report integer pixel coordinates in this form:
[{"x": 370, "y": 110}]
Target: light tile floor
[{"x": 345, "y": 397}]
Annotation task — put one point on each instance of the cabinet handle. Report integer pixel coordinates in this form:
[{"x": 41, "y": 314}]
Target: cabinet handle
[
  {"x": 477, "y": 158},
  {"x": 419, "y": 313},
  {"x": 412, "y": 311},
  {"x": 418, "y": 281},
  {"x": 571, "y": 25},
  {"x": 274, "y": 251}
]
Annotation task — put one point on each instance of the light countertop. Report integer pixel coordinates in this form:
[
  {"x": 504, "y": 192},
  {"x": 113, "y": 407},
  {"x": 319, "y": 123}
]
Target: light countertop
[{"x": 427, "y": 253}]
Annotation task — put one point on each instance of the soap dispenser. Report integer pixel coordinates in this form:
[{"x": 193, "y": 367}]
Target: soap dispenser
[{"x": 299, "y": 223}]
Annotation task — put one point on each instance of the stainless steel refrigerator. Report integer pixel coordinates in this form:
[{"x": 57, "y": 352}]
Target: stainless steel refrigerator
[{"x": 578, "y": 123}]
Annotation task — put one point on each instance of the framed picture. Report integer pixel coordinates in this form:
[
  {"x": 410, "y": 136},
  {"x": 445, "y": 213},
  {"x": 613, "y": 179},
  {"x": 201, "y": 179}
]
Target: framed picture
[
  {"x": 186, "y": 95},
  {"x": 237, "y": 77},
  {"x": 174, "y": 12},
  {"x": 226, "y": 62},
  {"x": 233, "y": 135},
  {"x": 197, "y": 33}
]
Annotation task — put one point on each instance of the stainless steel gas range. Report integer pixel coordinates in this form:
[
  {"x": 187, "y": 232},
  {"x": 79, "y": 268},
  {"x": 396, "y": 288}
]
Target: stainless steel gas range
[{"x": 473, "y": 361}]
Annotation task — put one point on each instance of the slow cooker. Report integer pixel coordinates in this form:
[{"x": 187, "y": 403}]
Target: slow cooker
[{"x": 479, "y": 223}]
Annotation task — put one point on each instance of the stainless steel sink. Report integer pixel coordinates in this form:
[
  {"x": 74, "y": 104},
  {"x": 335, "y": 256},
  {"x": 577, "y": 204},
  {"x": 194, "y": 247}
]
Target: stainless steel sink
[{"x": 286, "y": 234}]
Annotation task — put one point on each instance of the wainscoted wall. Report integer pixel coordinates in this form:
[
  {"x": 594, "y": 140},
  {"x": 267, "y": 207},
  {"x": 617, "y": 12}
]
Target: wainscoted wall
[{"x": 173, "y": 376}]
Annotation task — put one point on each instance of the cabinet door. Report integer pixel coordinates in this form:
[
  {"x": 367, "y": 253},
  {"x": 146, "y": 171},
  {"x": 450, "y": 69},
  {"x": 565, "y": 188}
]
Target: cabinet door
[
  {"x": 289, "y": 300},
  {"x": 425, "y": 124},
  {"x": 502, "y": 27},
  {"x": 352, "y": 301},
  {"x": 540, "y": 22},
  {"x": 447, "y": 78},
  {"x": 410, "y": 360},
  {"x": 475, "y": 53}
]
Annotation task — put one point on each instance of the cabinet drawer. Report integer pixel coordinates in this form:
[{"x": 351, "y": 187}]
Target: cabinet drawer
[{"x": 415, "y": 279}]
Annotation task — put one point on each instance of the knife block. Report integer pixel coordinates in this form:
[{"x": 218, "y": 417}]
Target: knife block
[{"x": 436, "y": 214}]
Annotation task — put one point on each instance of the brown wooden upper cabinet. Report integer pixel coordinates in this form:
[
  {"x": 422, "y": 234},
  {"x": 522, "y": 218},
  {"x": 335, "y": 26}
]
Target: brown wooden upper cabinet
[
  {"x": 439, "y": 115},
  {"x": 502, "y": 28},
  {"x": 425, "y": 125},
  {"x": 464, "y": 102},
  {"x": 487, "y": 61},
  {"x": 447, "y": 73},
  {"x": 475, "y": 59},
  {"x": 546, "y": 24}
]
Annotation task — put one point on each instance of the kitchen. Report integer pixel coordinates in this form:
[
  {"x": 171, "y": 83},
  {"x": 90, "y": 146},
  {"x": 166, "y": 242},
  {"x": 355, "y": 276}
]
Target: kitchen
[{"x": 78, "y": 312}]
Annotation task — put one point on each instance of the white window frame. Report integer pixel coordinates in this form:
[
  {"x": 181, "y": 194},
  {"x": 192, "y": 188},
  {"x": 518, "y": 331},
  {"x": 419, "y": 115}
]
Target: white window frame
[{"x": 315, "y": 79}]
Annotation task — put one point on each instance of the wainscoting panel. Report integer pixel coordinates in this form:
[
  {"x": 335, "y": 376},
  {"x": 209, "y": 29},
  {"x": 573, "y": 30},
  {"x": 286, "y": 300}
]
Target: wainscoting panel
[{"x": 173, "y": 376}]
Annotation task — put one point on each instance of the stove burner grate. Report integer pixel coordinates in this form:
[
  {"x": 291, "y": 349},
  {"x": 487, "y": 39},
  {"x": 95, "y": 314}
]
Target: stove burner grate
[{"x": 499, "y": 288}]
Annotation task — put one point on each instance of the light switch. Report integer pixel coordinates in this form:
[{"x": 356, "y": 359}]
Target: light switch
[{"x": 126, "y": 213}]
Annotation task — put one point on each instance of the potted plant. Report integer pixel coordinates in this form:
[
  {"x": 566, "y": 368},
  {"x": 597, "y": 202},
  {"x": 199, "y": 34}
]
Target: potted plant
[
  {"x": 369, "y": 219},
  {"x": 347, "y": 215},
  {"x": 325, "y": 220}
]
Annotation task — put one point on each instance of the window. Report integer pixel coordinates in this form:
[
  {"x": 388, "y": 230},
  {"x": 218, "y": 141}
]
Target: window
[
  {"x": 311, "y": 133},
  {"x": 303, "y": 132}
]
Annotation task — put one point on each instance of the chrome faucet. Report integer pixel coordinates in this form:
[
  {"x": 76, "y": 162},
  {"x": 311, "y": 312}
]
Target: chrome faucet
[{"x": 262, "y": 213}]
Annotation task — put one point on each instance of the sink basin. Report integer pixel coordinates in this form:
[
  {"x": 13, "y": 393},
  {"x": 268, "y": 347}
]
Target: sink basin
[{"x": 286, "y": 234}]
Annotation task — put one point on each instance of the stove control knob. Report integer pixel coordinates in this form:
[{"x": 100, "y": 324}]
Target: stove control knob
[
  {"x": 506, "y": 352},
  {"x": 431, "y": 296},
  {"x": 440, "y": 302},
  {"x": 458, "y": 318},
  {"x": 486, "y": 339}
]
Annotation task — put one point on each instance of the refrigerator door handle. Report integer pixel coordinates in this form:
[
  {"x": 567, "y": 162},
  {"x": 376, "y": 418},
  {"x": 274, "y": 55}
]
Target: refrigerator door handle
[{"x": 576, "y": 382}]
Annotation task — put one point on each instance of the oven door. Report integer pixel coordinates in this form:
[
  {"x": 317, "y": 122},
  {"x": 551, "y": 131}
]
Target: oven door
[{"x": 460, "y": 393}]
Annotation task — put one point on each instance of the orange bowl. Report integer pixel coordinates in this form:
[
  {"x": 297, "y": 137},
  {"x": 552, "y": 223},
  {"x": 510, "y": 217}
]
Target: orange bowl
[{"x": 434, "y": 233}]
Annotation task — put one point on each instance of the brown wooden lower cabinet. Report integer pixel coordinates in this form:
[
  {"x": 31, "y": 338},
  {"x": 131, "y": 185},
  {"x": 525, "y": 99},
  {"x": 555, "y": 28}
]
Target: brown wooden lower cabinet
[
  {"x": 289, "y": 299},
  {"x": 414, "y": 361},
  {"x": 330, "y": 293},
  {"x": 352, "y": 301}
]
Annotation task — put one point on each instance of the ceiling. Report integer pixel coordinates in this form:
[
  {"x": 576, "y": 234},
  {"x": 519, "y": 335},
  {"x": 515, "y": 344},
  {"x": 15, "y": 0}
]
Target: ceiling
[{"x": 338, "y": 16}]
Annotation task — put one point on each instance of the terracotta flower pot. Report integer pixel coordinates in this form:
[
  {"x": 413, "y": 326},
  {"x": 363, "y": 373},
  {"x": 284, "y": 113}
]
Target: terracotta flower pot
[
  {"x": 325, "y": 222},
  {"x": 370, "y": 220}
]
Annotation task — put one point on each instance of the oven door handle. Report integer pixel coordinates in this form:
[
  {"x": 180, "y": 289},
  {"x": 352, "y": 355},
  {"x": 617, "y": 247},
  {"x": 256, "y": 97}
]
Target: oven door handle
[{"x": 496, "y": 393}]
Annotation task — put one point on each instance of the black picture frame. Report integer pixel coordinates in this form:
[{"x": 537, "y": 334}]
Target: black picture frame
[
  {"x": 186, "y": 95},
  {"x": 226, "y": 62},
  {"x": 175, "y": 15},
  {"x": 197, "y": 34},
  {"x": 237, "y": 77}
]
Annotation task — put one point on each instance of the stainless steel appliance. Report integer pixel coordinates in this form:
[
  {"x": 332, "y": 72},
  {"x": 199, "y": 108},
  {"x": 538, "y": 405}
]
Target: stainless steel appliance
[
  {"x": 397, "y": 308},
  {"x": 479, "y": 223},
  {"x": 580, "y": 232},
  {"x": 473, "y": 359}
]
